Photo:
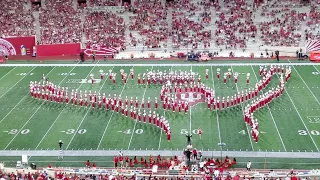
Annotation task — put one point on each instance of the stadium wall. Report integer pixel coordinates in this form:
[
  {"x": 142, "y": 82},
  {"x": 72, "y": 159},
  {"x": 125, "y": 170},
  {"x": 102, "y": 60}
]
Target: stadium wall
[
  {"x": 13, "y": 45},
  {"x": 58, "y": 49}
]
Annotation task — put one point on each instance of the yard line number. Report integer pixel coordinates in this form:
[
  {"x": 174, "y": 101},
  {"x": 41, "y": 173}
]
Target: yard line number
[
  {"x": 129, "y": 131},
  {"x": 312, "y": 132},
  {"x": 185, "y": 131},
  {"x": 16, "y": 131},
  {"x": 73, "y": 131},
  {"x": 316, "y": 73}
]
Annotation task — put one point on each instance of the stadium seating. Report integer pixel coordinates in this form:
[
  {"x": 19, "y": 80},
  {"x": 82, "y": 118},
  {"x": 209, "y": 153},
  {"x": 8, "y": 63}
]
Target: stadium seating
[
  {"x": 59, "y": 23},
  {"x": 104, "y": 29},
  {"x": 16, "y": 19}
]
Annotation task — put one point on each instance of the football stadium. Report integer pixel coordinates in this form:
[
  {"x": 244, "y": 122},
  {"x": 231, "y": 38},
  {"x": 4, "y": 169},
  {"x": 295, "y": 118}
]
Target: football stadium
[{"x": 160, "y": 89}]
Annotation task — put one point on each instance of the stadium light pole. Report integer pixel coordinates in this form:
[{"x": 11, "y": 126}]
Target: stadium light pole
[{"x": 221, "y": 145}]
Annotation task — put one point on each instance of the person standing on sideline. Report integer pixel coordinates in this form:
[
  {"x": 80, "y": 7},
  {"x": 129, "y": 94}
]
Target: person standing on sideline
[
  {"x": 248, "y": 166},
  {"x": 93, "y": 56}
]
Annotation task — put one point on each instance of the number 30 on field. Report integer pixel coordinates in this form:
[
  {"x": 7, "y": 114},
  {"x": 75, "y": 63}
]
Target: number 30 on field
[{"x": 312, "y": 132}]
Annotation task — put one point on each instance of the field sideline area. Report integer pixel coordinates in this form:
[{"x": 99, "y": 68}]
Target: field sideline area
[{"x": 288, "y": 124}]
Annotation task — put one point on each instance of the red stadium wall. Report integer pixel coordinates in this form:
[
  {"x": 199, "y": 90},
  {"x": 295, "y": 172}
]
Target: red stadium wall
[
  {"x": 58, "y": 49},
  {"x": 12, "y": 45}
]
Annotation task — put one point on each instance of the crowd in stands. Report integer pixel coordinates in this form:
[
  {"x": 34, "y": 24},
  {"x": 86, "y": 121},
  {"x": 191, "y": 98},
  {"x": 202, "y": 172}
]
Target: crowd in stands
[
  {"x": 60, "y": 23},
  {"x": 235, "y": 25},
  {"x": 104, "y": 29},
  {"x": 149, "y": 24},
  {"x": 187, "y": 27},
  {"x": 149, "y": 20},
  {"x": 16, "y": 19},
  {"x": 284, "y": 28}
]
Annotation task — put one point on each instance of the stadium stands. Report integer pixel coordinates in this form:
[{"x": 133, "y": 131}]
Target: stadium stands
[
  {"x": 183, "y": 24},
  {"x": 16, "y": 19},
  {"x": 59, "y": 23}
]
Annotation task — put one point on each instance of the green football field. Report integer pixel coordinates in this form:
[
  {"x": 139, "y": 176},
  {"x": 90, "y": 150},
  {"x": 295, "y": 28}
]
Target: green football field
[{"x": 289, "y": 123}]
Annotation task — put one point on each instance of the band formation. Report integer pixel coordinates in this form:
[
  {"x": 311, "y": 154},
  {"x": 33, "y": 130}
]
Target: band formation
[{"x": 179, "y": 91}]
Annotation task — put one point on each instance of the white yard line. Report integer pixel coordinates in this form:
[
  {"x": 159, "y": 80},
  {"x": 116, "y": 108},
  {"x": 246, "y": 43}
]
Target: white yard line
[
  {"x": 17, "y": 82},
  {"x": 135, "y": 123},
  {"x": 274, "y": 122},
  {"x": 218, "y": 124},
  {"x": 20, "y": 101},
  {"x": 316, "y": 68},
  {"x": 105, "y": 130},
  {"x": 160, "y": 65},
  {"x": 7, "y": 73},
  {"x": 243, "y": 114},
  {"x": 164, "y": 115},
  {"x": 29, "y": 118},
  {"x": 305, "y": 84},
  {"x": 301, "y": 119},
  {"x": 74, "y": 134},
  {"x": 60, "y": 112}
]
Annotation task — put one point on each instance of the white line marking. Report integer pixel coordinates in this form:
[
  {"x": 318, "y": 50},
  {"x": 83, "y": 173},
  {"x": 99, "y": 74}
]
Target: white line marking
[
  {"x": 105, "y": 130},
  {"x": 60, "y": 112},
  {"x": 85, "y": 114},
  {"x": 7, "y": 73},
  {"x": 274, "y": 122},
  {"x": 243, "y": 114},
  {"x": 218, "y": 124},
  {"x": 305, "y": 84},
  {"x": 17, "y": 82},
  {"x": 159, "y": 65},
  {"x": 301, "y": 118},
  {"x": 134, "y": 127}
]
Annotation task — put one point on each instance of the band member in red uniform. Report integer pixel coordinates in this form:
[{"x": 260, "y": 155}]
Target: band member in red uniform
[
  {"x": 131, "y": 101},
  {"x": 222, "y": 103},
  {"x": 92, "y": 104},
  {"x": 114, "y": 79},
  {"x": 137, "y": 102},
  {"x": 200, "y": 132},
  {"x": 169, "y": 135},
  {"x": 138, "y": 79},
  {"x": 224, "y": 79},
  {"x": 236, "y": 78},
  {"x": 149, "y": 106},
  {"x": 101, "y": 74},
  {"x": 142, "y": 104},
  {"x": 207, "y": 74},
  {"x": 218, "y": 73},
  {"x": 149, "y": 117},
  {"x": 156, "y": 103},
  {"x": 144, "y": 116},
  {"x": 132, "y": 73},
  {"x": 92, "y": 78},
  {"x": 248, "y": 78}
]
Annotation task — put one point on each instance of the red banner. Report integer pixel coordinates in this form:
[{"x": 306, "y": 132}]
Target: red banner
[
  {"x": 58, "y": 49},
  {"x": 17, "y": 45},
  {"x": 315, "y": 56}
]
